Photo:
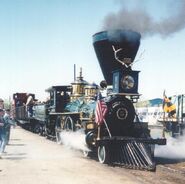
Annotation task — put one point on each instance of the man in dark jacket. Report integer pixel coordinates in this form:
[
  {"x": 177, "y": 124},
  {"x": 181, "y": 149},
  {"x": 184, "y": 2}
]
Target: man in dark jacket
[{"x": 8, "y": 123}]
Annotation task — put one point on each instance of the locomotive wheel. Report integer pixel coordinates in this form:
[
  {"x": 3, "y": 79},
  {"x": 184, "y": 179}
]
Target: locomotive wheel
[
  {"x": 41, "y": 133},
  {"x": 90, "y": 139},
  {"x": 69, "y": 124},
  {"x": 46, "y": 132},
  {"x": 103, "y": 154},
  {"x": 36, "y": 128},
  {"x": 58, "y": 130}
]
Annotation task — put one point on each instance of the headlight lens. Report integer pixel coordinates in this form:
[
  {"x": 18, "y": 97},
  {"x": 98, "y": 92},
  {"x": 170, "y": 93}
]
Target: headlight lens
[{"x": 127, "y": 82}]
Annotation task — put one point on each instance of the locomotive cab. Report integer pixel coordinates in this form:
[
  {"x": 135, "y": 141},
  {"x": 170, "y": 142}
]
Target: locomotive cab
[{"x": 58, "y": 98}]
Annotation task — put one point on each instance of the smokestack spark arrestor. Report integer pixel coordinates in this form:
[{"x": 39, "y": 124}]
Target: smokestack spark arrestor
[{"x": 116, "y": 51}]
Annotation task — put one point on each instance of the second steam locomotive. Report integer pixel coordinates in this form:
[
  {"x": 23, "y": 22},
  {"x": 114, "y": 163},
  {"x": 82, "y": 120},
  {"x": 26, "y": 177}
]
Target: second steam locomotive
[{"x": 120, "y": 138}]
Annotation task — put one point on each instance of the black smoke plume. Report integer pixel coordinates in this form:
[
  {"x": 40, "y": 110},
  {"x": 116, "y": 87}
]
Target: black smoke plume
[{"x": 138, "y": 19}]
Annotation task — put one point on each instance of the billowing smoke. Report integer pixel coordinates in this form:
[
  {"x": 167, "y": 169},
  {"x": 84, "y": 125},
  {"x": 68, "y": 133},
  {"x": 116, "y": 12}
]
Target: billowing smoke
[
  {"x": 139, "y": 20},
  {"x": 74, "y": 140},
  {"x": 174, "y": 149}
]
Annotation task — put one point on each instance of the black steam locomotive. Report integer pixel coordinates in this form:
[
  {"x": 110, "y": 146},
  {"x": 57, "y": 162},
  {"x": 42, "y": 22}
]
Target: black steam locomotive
[{"x": 121, "y": 139}]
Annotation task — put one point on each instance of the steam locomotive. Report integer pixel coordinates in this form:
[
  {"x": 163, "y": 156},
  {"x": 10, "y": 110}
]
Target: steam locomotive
[{"x": 121, "y": 138}]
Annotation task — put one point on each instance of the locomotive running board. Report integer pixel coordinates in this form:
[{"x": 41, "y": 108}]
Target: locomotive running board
[
  {"x": 159, "y": 141},
  {"x": 132, "y": 153}
]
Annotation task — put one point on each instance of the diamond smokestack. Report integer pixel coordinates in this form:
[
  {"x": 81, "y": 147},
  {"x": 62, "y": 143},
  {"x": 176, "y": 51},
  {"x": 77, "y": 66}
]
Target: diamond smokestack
[{"x": 104, "y": 44}]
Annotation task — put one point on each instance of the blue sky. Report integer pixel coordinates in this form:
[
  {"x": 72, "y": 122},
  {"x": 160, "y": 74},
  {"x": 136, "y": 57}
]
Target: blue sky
[{"x": 41, "y": 40}]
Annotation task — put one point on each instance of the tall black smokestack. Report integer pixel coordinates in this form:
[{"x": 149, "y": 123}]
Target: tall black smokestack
[{"x": 104, "y": 42}]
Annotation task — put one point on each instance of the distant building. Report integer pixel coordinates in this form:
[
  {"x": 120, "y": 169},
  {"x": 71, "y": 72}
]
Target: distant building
[
  {"x": 156, "y": 102},
  {"x": 149, "y": 110}
]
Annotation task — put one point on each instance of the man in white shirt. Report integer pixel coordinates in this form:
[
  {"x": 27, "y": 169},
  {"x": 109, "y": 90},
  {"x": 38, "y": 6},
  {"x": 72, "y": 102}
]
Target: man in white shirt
[{"x": 29, "y": 104}]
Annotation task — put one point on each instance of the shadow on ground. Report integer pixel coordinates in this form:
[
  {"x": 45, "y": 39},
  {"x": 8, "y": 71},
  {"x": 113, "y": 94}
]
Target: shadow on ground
[{"x": 16, "y": 144}]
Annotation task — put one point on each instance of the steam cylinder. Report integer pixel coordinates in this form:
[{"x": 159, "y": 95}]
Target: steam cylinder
[{"x": 104, "y": 42}]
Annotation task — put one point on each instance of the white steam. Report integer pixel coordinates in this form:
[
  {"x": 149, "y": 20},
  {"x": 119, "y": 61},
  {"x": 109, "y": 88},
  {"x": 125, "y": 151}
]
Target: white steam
[
  {"x": 141, "y": 21},
  {"x": 175, "y": 149},
  {"x": 74, "y": 140}
]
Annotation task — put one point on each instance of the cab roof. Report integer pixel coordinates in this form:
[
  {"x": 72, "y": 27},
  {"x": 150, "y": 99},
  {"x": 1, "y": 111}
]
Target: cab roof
[{"x": 59, "y": 88}]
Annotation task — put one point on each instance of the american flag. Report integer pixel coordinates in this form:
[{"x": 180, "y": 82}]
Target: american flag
[{"x": 101, "y": 110}]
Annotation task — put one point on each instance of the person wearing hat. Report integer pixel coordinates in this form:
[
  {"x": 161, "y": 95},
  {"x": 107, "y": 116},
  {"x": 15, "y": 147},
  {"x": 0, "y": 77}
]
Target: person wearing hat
[
  {"x": 2, "y": 132},
  {"x": 169, "y": 107}
]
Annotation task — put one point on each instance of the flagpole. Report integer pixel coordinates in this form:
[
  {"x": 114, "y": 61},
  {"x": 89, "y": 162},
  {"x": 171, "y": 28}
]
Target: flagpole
[
  {"x": 107, "y": 128},
  {"x": 164, "y": 123},
  {"x": 100, "y": 111},
  {"x": 98, "y": 137}
]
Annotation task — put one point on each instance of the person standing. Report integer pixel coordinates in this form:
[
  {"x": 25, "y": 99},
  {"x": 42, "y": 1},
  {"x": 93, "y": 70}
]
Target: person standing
[
  {"x": 169, "y": 107},
  {"x": 2, "y": 132},
  {"x": 8, "y": 123},
  {"x": 1, "y": 103},
  {"x": 29, "y": 104}
]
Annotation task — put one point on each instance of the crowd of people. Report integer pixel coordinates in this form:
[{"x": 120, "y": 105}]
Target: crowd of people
[{"x": 5, "y": 125}]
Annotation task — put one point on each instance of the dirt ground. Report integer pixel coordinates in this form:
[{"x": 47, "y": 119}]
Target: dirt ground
[{"x": 33, "y": 159}]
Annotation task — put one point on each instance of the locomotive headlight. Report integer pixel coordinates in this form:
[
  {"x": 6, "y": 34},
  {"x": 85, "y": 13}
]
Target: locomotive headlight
[{"x": 127, "y": 82}]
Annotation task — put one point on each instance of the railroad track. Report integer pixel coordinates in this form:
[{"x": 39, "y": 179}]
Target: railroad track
[
  {"x": 166, "y": 173},
  {"x": 172, "y": 170},
  {"x": 171, "y": 165}
]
